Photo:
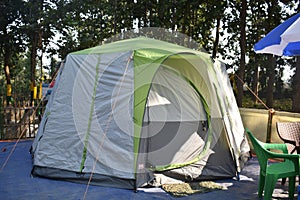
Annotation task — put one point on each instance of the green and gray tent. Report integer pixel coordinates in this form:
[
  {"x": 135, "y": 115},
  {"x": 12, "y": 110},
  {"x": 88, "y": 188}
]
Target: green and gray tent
[{"x": 120, "y": 113}]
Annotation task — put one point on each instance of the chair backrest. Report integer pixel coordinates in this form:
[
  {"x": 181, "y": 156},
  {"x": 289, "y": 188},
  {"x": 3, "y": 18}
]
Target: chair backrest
[
  {"x": 261, "y": 152},
  {"x": 289, "y": 132}
]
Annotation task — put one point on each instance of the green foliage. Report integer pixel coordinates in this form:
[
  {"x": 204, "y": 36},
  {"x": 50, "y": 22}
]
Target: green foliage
[
  {"x": 61, "y": 27},
  {"x": 1, "y": 118},
  {"x": 284, "y": 104}
]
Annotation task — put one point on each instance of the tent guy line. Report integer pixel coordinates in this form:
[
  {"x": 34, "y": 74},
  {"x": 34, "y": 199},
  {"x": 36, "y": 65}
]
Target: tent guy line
[{"x": 106, "y": 129}]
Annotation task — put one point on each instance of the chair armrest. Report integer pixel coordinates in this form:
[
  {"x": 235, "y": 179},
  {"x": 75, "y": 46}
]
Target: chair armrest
[
  {"x": 283, "y": 155},
  {"x": 295, "y": 158},
  {"x": 276, "y": 146}
]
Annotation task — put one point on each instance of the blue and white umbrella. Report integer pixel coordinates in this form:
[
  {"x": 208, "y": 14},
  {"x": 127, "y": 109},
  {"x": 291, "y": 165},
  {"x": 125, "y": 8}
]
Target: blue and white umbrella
[{"x": 284, "y": 40}]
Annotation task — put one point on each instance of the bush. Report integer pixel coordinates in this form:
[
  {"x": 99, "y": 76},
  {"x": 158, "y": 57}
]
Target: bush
[{"x": 284, "y": 104}]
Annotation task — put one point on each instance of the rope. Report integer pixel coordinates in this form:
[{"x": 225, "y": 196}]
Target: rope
[
  {"x": 105, "y": 130},
  {"x": 257, "y": 97},
  {"x": 22, "y": 133},
  {"x": 18, "y": 140}
]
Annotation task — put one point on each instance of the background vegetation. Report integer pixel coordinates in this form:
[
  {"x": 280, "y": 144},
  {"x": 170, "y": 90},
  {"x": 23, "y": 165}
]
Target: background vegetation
[{"x": 31, "y": 30}]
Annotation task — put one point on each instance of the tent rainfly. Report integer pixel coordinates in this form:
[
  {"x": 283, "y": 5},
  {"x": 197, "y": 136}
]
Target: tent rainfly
[{"x": 123, "y": 112}]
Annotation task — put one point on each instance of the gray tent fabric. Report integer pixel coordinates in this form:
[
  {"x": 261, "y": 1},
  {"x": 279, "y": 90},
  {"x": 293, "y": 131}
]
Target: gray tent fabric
[{"x": 122, "y": 112}]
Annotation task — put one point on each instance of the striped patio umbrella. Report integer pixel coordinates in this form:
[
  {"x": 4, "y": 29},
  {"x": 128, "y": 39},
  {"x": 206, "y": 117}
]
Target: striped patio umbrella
[{"x": 284, "y": 40}]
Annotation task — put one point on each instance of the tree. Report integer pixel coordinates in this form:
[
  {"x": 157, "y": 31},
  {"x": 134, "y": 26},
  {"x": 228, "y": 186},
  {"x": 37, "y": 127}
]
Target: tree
[
  {"x": 32, "y": 17},
  {"x": 264, "y": 16},
  {"x": 234, "y": 48},
  {"x": 273, "y": 9},
  {"x": 271, "y": 80},
  {"x": 241, "y": 71},
  {"x": 296, "y": 96},
  {"x": 296, "y": 88},
  {"x": 9, "y": 41},
  {"x": 77, "y": 25}
]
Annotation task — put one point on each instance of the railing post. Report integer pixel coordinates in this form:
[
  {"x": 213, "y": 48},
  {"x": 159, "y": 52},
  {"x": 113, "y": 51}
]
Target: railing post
[
  {"x": 269, "y": 126},
  {"x": 1, "y": 119}
]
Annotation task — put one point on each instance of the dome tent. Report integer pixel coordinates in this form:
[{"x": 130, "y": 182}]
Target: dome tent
[{"x": 122, "y": 112}]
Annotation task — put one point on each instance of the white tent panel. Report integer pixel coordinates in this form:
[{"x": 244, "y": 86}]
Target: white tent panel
[{"x": 172, "y": 98}]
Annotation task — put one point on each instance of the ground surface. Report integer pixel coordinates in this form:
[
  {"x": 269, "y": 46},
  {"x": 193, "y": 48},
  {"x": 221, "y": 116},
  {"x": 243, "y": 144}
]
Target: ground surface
[{"x": 16, "y": 183}]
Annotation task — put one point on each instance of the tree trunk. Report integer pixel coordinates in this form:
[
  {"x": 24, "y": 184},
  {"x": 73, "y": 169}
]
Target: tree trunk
[
  {"x": 36, "y": 13},
  {"x": 115, "y": 19},
  {"x": 174, "y": 16},
  {"x": 270, "y": 87},
  {"x": 241, "y": 72},
  {"x": 216, "y": 42},
  {"x": 33, "y": 63},
  {"x": 296, "y": 89},
  {"x": 8, "y": 85},
  {"x": 7, "y": 57},
  {"x": 7, "y": 73},
  {"x": 255, "y": 84},
  {"x": 185, "y": 20}
]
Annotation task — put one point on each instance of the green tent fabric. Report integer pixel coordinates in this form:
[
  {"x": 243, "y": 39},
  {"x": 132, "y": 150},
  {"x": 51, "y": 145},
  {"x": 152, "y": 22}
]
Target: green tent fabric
[{"x": 124, "y": 111}]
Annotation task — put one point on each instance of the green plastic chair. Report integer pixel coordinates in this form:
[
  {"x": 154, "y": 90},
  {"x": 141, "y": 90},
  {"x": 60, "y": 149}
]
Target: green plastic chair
[{"x": 270, "y": 173}]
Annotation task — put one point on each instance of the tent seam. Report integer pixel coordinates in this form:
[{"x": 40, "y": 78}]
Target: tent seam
[{"x": 90, "y": 117}]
